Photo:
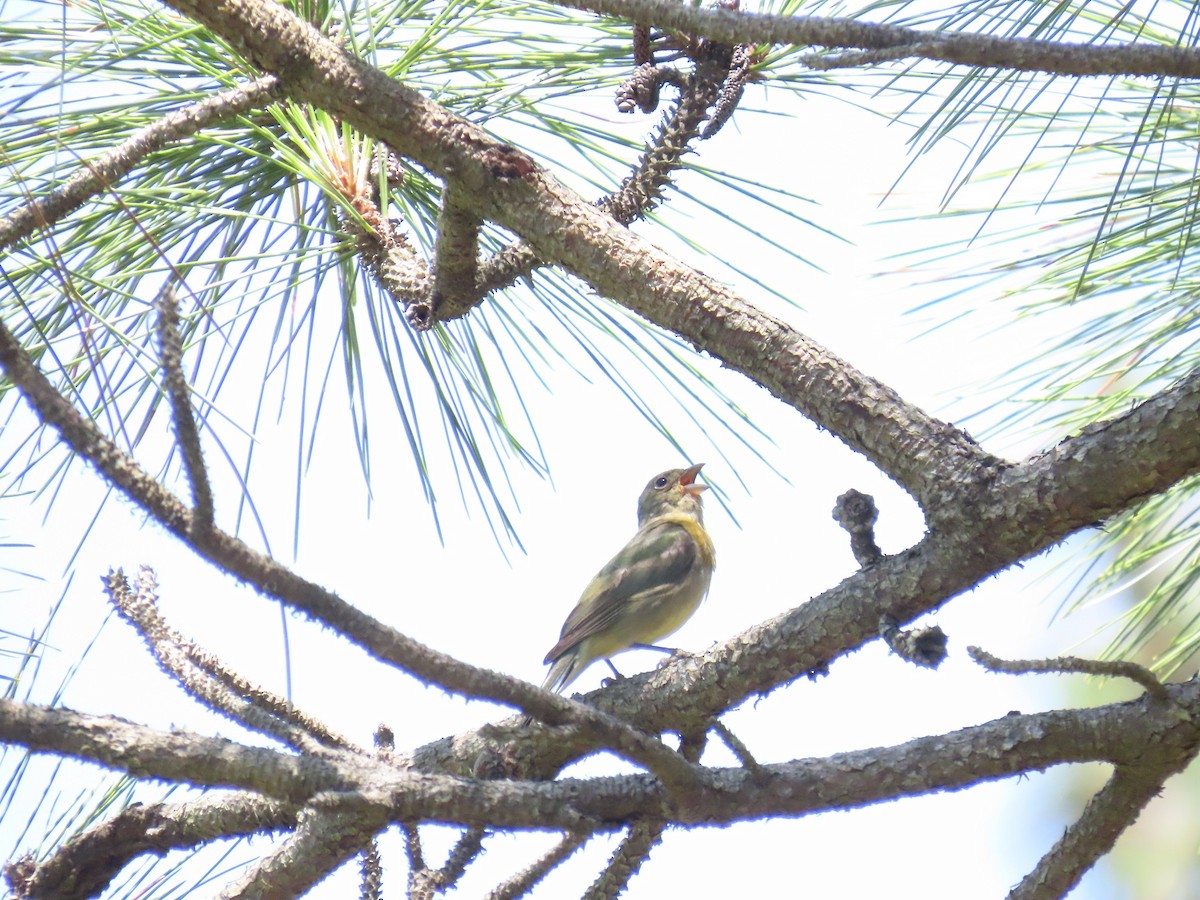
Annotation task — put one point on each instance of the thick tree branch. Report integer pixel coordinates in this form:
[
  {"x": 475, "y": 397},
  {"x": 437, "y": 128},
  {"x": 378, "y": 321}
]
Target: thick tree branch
[
  {"x": 178, "y": 755},
  {"x": 985, "y": 51},
  {"x": 352, "y": 797},
  {"x": 367, "y": 791}
]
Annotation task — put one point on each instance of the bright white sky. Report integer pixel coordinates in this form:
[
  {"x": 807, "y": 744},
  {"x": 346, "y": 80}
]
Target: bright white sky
[{"x": 467, "y": 599}]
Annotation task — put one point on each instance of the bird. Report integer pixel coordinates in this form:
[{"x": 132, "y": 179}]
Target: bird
[{"x": 649, "y": 589}]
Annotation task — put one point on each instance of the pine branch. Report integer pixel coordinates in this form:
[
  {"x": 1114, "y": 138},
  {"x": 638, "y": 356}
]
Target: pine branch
[
  {"x": 983, "y": 51},
  {"x": 99, "y": 175},
  {"x": 926, "y": 456},
  {"x": 86, "y": 864}
]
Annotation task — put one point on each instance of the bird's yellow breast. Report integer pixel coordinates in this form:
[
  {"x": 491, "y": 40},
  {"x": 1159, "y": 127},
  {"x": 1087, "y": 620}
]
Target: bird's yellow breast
[{"x": 708, "y": 553}]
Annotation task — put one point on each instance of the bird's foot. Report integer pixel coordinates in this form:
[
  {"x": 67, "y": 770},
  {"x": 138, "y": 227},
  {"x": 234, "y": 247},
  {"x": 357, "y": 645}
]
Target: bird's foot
[{"x": 676, "y": 653}]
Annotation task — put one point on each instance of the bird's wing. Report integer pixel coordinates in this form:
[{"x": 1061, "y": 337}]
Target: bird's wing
[{"x": 656, "y": 559}]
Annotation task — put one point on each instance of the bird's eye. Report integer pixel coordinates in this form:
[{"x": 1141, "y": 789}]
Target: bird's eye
[{"x": 661, "y": 482}]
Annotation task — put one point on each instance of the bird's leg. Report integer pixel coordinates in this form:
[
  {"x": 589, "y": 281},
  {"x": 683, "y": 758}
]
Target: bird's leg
[
  {"x": 617, "y": 676},
  {"x": 670, "y": 651},
  {"x": 673, "y": 653}
]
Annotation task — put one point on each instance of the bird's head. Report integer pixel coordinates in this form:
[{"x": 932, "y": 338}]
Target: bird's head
[{"x": 673, "y": 491}]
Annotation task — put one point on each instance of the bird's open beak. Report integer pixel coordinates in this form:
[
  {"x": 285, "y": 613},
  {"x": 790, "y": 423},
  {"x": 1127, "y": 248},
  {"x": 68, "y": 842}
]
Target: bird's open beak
[{"x": 688, "y": 480}]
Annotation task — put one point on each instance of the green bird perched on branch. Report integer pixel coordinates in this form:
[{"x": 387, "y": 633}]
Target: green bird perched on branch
[{"x": 649, "y": 589}]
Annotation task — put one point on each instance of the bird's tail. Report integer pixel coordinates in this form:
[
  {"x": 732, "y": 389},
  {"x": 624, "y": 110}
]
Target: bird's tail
[{"x": 562, "y": 672}]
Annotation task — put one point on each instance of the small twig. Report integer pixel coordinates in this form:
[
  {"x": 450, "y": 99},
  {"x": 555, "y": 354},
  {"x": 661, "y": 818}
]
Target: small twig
[
  {"x": 692, "y": 743},
  {"x": 734, "y": 86},
  {"x": 324, "y": 839},
  {"x": 920, "y": 646},
  {"x": 1113, "y": 809},
  {"x": 468, "y": 847},
  {"x": 187, "y": 434},
  {"x": 424, "y": 882},
  {"x": 412, "y": 848},
  {"x": 456, "y": 259},
  {"x": 856, "y": 512},
  {"x": 626, "y": 860},
  {"x": 418, "y": 887},
  {"x": 643, "y": 49},
  {"x": 371, "y": 865},
  {"x": 392, "y": 261},
  {"x": 427, "y": 882},
  {"x": 384, "y": 739},
  {"x": 1074, "y": 664},
  {"x": 202, "y": 676},
  {"x": 525, "y": 880},
  {"x": 734, "y": 743}
]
